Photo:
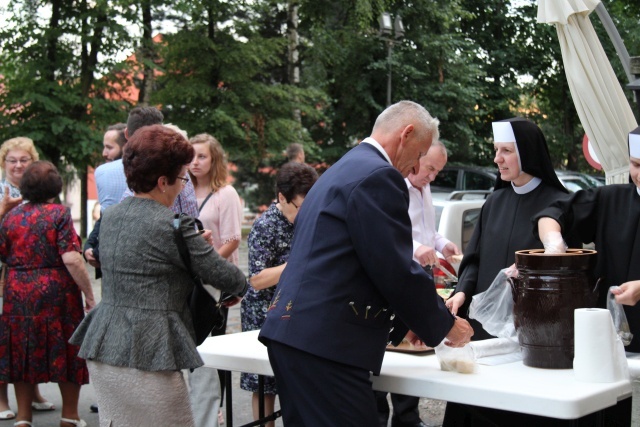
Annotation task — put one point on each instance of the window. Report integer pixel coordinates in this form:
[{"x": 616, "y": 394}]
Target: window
[
  {"x": 445, "y": 181},
  {"x": 477, "y": 181},
  {"x": 469, "y": 221}
]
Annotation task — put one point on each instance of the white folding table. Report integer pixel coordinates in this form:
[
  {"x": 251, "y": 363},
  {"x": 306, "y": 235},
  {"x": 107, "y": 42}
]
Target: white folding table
[{"x": 512, "y": 386}]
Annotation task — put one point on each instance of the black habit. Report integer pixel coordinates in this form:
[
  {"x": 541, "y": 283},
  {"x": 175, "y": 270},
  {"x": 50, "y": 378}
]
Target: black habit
[
  {"x": 609, "y": 217},
  {"x": 504, "y": 227}
]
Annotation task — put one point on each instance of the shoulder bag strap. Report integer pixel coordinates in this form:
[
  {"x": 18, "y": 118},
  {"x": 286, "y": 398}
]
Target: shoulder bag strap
[
  {"x": 205, "y": 201},
  {"x": 179, "y": 238}
]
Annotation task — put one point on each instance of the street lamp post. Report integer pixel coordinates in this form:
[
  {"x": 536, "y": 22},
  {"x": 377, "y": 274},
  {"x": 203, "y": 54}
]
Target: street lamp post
[{"x": 390, "y": 33}]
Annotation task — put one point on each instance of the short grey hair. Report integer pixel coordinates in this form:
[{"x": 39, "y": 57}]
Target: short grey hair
[{"x": 402, "y": 113}]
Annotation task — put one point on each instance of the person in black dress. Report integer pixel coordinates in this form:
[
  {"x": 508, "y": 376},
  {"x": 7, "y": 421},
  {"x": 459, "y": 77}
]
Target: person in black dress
[
  {"x": 526, "y": 184},
  {"x": 609, "y": 216}
]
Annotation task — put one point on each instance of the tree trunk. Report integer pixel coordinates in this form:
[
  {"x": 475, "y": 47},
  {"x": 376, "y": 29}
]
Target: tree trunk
[
  {"x": 52, "y": 42},
  {"x": 146, "y": 55},
  {"x": 293, "y": 66}
]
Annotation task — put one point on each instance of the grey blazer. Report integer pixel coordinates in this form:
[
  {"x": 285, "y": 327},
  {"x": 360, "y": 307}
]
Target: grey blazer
[{"x": 143, "y": 320}]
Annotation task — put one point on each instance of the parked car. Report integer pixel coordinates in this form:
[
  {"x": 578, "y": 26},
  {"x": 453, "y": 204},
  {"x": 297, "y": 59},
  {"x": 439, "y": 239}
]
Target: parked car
[
  {"x": 464, "y": 178},
  {"x": 575, "y": 181}
]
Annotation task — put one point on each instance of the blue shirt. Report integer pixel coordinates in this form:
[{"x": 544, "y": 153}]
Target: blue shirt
[
  {"x": 111, "y": 183},
  {"x": 185, "y": 202}
]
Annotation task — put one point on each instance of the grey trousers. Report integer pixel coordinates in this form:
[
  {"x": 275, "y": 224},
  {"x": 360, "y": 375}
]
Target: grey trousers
[{"x": 204, "y": 393}]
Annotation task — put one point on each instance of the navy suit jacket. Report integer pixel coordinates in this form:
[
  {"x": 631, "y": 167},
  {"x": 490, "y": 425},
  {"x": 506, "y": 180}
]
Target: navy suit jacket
[{"x": 350, "y": 268}]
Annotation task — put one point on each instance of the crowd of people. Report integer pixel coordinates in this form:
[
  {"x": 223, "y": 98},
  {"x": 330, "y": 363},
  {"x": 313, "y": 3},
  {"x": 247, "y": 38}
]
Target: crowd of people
[{"x": 325, "y": 305}]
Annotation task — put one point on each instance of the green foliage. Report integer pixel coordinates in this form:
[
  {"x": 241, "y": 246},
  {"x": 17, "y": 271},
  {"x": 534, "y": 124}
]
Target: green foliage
[
  {"x": 223, "y": 68},
  {"x": 230, "y": 83},
  {"x": 45, "y": 66}
]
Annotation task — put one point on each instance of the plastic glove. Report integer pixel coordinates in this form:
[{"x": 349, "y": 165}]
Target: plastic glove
[{"x": 554, "y": 243}]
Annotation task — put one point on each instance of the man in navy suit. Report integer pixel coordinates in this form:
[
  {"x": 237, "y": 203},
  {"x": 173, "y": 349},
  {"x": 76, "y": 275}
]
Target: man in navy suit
[{"x": 350, "y": 277}]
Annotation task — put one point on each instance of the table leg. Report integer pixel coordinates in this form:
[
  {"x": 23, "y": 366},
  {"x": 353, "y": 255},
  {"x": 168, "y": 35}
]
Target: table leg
[
  {"x": 229, "y": 411},
  {"x": 260, "y": 397}
]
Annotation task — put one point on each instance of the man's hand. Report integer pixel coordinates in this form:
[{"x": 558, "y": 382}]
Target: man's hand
[
  {"x": 460, "y": 334},
  {"x": 426, "y": 256},
  {"x": 455, "y": 302},
  {"x": 8, "y": 202},
  {"x": 415, "y": 341},
  {"x": 450, "y": 250},
  {"x": 88, "y": 255}
]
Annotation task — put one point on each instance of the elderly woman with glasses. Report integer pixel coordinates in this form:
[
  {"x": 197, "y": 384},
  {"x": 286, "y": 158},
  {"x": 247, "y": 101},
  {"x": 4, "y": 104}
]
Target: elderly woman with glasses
[
  {"x": 16, "y": 154},
  {"x": 269, "y": 246},
  {"x": 141, "y": 335}
]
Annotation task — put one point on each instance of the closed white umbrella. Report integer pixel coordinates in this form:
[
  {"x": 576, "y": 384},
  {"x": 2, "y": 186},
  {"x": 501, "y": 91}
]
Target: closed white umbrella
[{"x": 603, "y": 109}]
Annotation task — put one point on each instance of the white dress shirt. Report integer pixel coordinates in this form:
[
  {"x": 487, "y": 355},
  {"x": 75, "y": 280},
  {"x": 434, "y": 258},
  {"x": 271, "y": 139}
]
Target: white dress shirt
[{"x": 423, "y": 219}]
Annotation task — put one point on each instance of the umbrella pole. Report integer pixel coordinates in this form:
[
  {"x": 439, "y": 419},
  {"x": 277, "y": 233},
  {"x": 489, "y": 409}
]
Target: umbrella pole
[{"x": 612, "y": 31}]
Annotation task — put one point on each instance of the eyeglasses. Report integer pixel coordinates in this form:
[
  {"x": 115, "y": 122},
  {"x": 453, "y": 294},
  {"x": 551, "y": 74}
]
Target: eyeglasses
[
  {"x": 23, "y": 161},
  {"x": 294, "y": 205},
  {"x": 184, "y": 180}
]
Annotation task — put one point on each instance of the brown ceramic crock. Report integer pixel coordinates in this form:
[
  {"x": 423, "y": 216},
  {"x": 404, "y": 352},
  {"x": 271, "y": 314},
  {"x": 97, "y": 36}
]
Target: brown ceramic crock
[{"x": 548, "y": 288}]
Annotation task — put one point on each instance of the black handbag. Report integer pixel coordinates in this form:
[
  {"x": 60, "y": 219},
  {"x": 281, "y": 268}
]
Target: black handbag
[{"x": 206, "y": 311}]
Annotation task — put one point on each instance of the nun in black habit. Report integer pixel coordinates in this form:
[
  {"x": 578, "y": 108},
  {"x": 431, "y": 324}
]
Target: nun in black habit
[
  {"x": 526, "y": 184},
  {"x": 609, "y": 216}
]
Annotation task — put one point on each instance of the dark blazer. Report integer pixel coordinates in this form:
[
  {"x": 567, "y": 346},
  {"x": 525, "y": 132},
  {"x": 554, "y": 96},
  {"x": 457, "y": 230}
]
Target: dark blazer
[
  {"x": 94, "y": 243},
  {"x": 351, "y": 266}
]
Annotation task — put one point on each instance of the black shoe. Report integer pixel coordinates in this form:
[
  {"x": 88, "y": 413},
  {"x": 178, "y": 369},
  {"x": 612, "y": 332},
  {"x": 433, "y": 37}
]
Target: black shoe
[{"x": 94, "y": 407}]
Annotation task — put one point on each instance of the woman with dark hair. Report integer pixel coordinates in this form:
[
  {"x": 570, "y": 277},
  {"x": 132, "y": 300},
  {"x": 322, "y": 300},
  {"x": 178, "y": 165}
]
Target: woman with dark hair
[
  {"x": 140, "y": 336},
  {"x": 42, "y": 296},
  {"x": 269, "y": 244}
]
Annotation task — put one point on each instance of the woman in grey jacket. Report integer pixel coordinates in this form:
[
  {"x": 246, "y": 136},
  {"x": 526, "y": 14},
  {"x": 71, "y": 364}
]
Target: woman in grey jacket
[{"x": 140, "y": 336}]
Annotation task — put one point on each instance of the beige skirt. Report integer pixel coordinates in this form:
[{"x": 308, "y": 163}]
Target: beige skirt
[{"x": 133, "y": 398}]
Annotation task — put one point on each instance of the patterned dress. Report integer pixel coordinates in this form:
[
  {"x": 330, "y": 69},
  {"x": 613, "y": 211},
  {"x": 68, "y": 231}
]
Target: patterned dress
[
  {"x": 13, "y": 190},
  {"x": 269, "y": 244},
  {"x": 42, "y": 303}
]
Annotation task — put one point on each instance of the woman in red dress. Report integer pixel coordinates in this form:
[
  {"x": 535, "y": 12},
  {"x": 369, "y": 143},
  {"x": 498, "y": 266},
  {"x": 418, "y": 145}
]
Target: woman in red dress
[{"x": 45, "y": 280}]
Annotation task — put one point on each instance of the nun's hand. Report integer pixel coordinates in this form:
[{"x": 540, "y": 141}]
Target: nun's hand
[
  {"x": 455, "y": 302},
  {"x": 628, "y": 293},
  {"x": 553, "y": 243}
]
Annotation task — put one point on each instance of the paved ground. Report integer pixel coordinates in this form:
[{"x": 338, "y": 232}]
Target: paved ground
[{"x": 431, "y": 411}]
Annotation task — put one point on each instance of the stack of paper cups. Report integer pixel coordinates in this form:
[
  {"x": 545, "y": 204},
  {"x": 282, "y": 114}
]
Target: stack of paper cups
[{"x": 599, "y": 353}]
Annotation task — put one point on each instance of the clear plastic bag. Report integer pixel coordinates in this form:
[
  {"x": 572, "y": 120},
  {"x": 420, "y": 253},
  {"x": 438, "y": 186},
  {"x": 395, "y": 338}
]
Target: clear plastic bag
[
  {"x": 494, "y": 307},
  {"x": 619, "y": 318},
  {"x": 456, "y": 359}
]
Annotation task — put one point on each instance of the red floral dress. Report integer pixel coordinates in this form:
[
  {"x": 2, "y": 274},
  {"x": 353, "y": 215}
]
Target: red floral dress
[{"x": 42, "y": 304}]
